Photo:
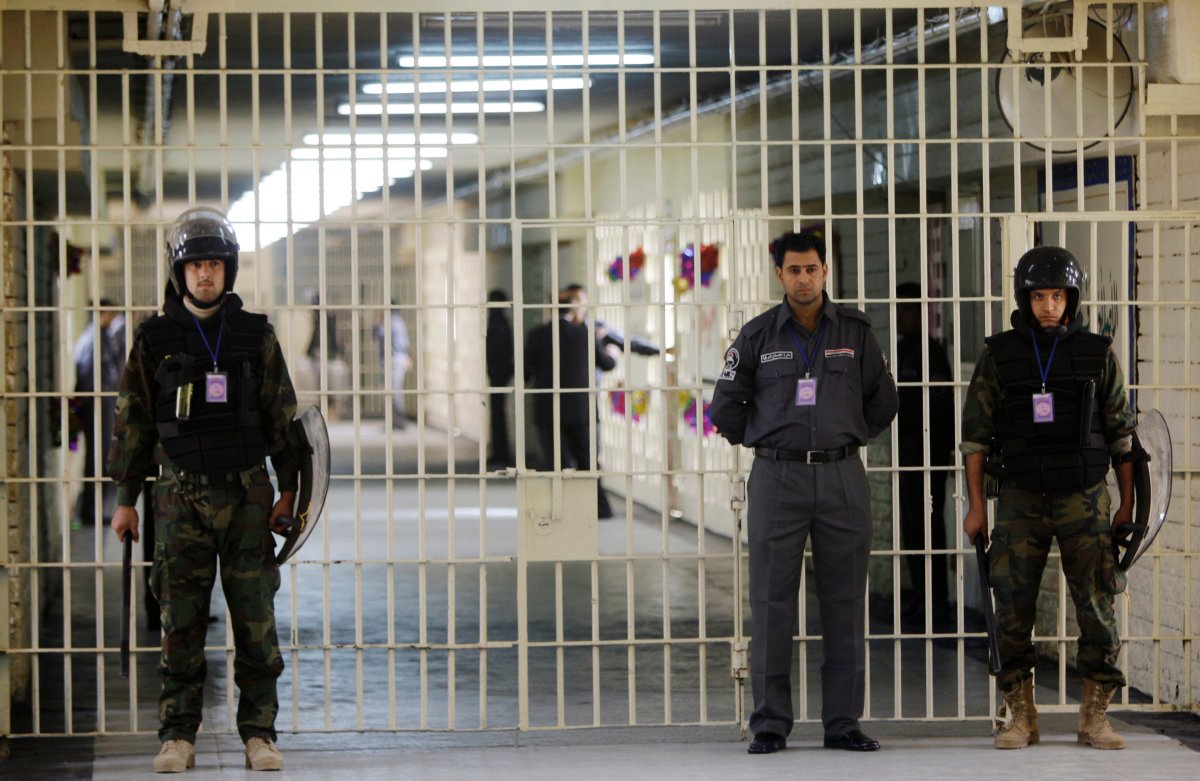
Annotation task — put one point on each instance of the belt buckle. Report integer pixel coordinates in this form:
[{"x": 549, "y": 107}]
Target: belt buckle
[{"x": 814, "y": 456}]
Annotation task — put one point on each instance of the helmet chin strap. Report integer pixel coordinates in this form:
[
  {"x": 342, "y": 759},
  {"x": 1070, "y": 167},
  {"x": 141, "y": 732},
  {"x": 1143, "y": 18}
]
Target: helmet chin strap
[
  {"x": 1060, "y": 329},
  {"x": 200, "y": 304}
]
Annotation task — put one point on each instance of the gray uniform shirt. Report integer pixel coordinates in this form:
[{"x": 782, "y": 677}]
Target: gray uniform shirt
[{"x": 754, "y": 402}]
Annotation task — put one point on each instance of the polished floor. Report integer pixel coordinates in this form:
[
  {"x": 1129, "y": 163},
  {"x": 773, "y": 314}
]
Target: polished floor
[{"x": 911, "y": 752}]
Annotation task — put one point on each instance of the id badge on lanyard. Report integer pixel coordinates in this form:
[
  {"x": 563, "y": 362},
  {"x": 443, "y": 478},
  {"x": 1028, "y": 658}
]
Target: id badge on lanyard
[
  {"x": 216, "y": 387},
  {"x": 1043, "y": 408},
  {"x": 216, "y": 382},
  {"x": 1043, "y": 403},
  {"x": 806, "y": 392},
  {"x": 806, "y": 386}
]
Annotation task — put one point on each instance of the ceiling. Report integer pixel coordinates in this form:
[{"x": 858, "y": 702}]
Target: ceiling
[{"x": 282, "y": 77}]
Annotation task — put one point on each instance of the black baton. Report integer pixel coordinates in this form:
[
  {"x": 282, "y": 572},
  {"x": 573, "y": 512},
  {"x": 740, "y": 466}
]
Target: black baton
[
  {"x": 126, "y": 578},
  {"x": 988, "y": 614}
]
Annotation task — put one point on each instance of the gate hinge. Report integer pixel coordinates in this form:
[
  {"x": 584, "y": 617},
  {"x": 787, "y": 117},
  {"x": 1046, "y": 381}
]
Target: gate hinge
[{"x": 739, "y": 669}]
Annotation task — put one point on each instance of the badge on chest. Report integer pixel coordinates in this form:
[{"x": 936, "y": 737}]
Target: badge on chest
[
  {"x": 1043, "y": 408},
  {"x": 216, "y": 387},
  {"x": 806, "y": 392}
]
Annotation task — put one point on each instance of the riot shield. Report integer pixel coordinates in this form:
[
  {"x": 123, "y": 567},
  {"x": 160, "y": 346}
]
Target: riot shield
[
  {"x": 1152, "y": 488},
  {"x": 309, "y": 435}
]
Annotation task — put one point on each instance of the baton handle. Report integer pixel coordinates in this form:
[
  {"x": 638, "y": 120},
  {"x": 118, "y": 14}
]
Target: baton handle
[
  {"x": 989, "y": 613},
  {"x": 126, "y": 599}
]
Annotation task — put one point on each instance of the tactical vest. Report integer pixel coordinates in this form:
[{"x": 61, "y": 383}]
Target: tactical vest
[
  {"x": 1070, "y": 452},
  {"x": 213, "y": 437}
]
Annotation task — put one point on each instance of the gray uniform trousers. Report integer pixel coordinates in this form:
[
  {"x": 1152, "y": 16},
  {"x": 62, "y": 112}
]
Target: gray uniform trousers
[{"x": 789, "y": 502}]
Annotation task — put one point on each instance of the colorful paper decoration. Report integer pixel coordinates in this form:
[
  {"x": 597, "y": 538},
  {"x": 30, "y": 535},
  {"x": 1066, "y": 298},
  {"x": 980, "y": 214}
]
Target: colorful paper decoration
[
  {"x": 709, "y": 260},
  {"x": 640, "y": 401},
  {"x": 637, "y": 259},
  {"x": 687, "y": 405}
]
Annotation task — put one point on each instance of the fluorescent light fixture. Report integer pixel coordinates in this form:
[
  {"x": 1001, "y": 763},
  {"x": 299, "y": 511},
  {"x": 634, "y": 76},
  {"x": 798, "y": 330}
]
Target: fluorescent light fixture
[
  {"x": 490, "y": 85},
  {"x": 368, "y": 153},
  {"x": 376, "y": 109},
  {"x": 523, "y": 60},
  {"x": 392, "y": 139},
  {"x": 339, "y": 183}
]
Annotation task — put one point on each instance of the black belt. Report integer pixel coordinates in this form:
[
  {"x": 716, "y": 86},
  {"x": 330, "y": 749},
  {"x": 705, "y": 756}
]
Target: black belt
[
  {"x": 807, "y": 456},
  {"x": 215, "y": 478}
]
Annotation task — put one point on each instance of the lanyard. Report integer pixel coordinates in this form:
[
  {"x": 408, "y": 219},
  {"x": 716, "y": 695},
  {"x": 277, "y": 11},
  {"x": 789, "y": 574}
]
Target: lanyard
[
  {"x": 1038, "y": 353},
  {"x": 220, "y": 332},
  {"x": 816, "y": 341}
]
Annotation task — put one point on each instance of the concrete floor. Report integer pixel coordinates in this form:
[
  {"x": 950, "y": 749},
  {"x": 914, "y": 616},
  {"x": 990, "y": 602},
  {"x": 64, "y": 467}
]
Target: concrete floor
[{"x": 352, "y": 707}]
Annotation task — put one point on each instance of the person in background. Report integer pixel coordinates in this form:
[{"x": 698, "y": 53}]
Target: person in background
[
  {"x": 108, "y": 328},
  {"x": 911, "y": 426},
  {"x": 499, "y": 354},
  {"x": 611, "y": 342},
  {"x": 576, "y": 343},
  {"x": 398, "y": 364}
]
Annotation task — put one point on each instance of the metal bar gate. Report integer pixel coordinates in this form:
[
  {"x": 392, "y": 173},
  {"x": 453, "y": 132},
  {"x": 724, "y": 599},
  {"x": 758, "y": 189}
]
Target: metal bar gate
[{"x": 387, "y": 169}]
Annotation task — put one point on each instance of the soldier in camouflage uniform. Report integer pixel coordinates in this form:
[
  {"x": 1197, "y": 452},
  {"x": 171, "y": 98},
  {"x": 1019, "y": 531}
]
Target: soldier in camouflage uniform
[
  {"x": 205, "y": 398},
  {"x": 1046, "y": 412}
]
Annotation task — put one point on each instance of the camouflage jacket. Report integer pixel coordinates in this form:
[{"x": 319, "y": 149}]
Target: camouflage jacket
[
  {"x": 981, "y": 408},
  {"x": 136, "y": 452}
]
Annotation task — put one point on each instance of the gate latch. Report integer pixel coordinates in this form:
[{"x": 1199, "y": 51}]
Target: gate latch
[
  {"x": 737, "y": 492},
  {"x": 739, "y": 668}
]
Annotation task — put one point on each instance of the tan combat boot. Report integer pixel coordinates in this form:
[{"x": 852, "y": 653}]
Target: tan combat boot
[
  {"x": 261, "y": 754},
  {"x": 1094, "y": 729},
  {"x": 175, "y": 756},
  {"x": 1021, "y": 729}
]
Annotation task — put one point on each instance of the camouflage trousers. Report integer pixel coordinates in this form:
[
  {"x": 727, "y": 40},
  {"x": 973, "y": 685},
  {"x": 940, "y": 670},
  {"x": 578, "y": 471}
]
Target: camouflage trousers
[
  {"x": 1026, "y": 522},
  {"x": 195, "y": 527}
]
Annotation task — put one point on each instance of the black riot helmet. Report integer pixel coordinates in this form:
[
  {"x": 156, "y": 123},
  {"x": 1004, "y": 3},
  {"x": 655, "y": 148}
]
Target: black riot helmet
[
  {"x": 202, "y": 233},
  {"x": 1048, "y": 267}
]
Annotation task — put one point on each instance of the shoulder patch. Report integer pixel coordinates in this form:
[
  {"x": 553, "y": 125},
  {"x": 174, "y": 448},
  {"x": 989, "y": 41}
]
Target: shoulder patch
[{"x": 732, "y": 359}]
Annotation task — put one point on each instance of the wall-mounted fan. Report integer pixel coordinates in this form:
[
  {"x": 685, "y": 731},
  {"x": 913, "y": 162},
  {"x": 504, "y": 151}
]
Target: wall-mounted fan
[{"x": 1052, "y": 100}]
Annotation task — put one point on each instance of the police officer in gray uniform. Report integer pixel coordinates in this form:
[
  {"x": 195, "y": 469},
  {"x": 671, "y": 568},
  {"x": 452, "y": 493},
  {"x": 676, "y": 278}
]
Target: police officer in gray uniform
[{"x": 806, "y": 385}]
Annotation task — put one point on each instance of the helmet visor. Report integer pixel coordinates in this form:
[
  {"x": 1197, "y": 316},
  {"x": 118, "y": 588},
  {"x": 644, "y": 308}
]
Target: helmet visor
[{"x": 201, "y": 233}]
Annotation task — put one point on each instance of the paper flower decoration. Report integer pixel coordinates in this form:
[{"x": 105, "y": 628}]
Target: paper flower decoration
[
  {"x": 688, "y": 404},
  {"x": 639, "y": 401},
  {"x": 637, "y": 259},
  {"x": 709, "y": 260}
]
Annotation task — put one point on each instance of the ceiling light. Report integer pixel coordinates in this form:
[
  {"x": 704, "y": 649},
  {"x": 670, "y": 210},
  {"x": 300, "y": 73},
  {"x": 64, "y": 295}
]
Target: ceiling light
[
  {"x": 283, "y": 201},
  {"x": 525, "y": 60},
  {"x": 368, "y": 153},
  {"x": 376, "y": 109},
  {"x": 392, "y": 139},
  {"x": 491, "y": 85}
]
